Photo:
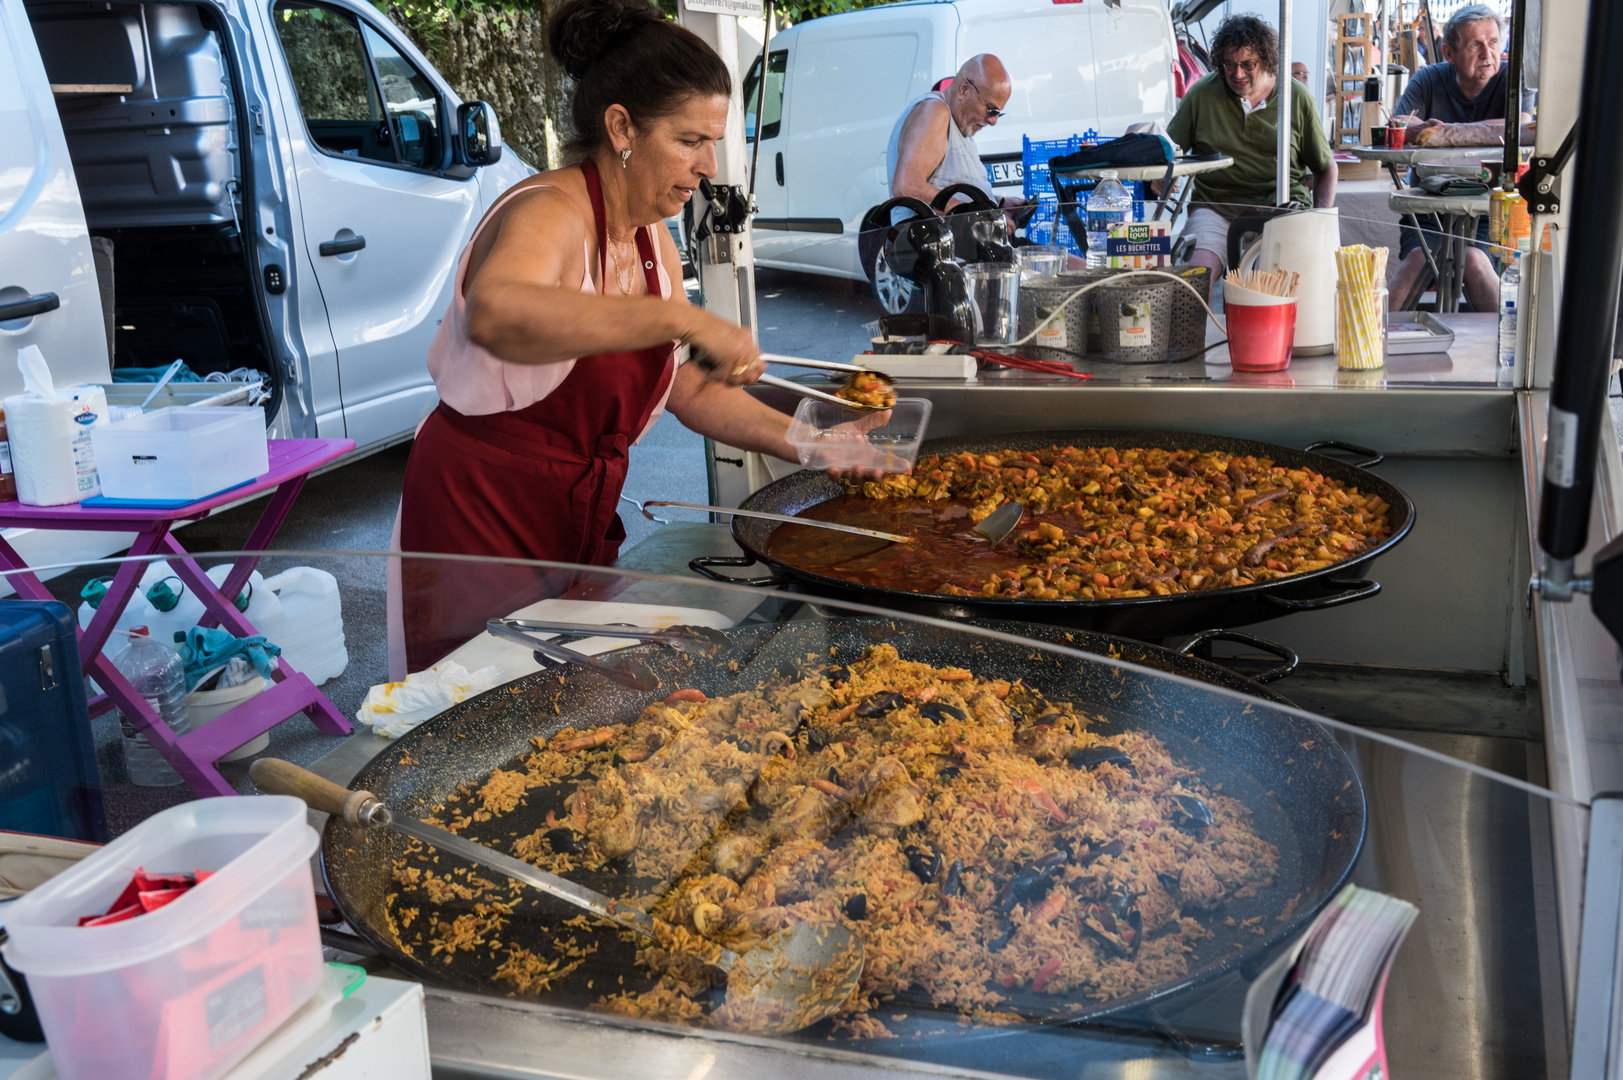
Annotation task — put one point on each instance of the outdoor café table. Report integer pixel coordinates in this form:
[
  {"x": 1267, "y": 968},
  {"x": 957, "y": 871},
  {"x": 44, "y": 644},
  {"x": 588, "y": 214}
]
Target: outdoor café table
[
  {"x": 1410, "y": 156},
  {"x": 1458, "y": 215},
  {"x": 193, "y": 754},
  {"x": 1181, "y": 167}
]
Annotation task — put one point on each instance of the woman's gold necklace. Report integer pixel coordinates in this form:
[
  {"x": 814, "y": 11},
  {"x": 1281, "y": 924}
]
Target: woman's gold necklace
[{"x": 623, "y": 277}]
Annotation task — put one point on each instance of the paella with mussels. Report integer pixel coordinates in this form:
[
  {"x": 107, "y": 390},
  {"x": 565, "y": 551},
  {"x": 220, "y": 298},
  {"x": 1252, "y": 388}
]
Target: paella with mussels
[
  {"x": 1101, "y": 523},
  {"x": 980, "y": 838}
]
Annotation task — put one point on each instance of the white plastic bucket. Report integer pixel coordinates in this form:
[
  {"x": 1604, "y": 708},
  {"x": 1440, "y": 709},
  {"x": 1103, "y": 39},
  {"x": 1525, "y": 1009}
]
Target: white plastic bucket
[{"x": 203, "y": 706}]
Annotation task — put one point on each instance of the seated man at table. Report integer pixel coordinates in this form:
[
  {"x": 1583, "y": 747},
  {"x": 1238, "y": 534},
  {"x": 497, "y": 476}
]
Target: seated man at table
[
  {"x": 1467, "y": 89},
  {"x": 1235, "y": 111}
]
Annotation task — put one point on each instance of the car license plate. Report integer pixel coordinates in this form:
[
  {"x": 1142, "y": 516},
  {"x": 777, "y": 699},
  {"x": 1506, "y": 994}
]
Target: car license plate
[{"x": 1007, "y": 173}]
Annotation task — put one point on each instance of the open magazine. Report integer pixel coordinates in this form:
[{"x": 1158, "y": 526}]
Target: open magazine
[{"x": 1315, "y": 1013}]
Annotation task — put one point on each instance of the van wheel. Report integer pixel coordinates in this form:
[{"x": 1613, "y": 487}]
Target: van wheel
[{"x": 893, "y": 291}]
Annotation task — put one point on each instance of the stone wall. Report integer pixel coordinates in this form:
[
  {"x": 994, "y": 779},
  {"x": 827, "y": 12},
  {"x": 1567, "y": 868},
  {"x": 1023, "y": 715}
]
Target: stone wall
[{"x": 501, "y": 59}]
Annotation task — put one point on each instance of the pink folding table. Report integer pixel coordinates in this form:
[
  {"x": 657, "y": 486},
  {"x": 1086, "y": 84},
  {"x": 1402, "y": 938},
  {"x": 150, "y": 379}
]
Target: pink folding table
[{"x": 193, "y": 755}]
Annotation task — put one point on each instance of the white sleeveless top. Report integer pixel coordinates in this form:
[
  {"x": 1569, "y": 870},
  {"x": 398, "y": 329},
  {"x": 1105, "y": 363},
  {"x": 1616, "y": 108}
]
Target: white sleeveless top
[{"x": 962, "y": 163}]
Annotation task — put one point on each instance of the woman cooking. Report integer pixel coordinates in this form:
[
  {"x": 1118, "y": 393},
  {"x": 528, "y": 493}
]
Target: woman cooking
[{"x": 559, "y": 350}]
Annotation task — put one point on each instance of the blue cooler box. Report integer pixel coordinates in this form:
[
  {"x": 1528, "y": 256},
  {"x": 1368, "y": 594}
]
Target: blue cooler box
[{"x": 48, "y": 779}]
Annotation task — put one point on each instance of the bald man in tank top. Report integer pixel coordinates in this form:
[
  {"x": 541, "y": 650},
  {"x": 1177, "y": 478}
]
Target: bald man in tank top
[{"x": 930, "y": 146}]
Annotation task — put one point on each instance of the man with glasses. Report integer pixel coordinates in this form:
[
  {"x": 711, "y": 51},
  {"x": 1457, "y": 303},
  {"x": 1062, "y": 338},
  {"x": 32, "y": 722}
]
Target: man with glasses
[
  {"x": 930, "y": 146},
  {"x": 1462, "y": 98},
  {"x": 1235, "y": 111}
]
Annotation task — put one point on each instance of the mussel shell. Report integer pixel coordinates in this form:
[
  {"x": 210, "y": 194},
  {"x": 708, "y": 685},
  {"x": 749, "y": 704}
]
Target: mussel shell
[
  {"x": 954, "y": 884},
  {"x": 949, "y": 773},
  {"x": 564, "y": 841},
  {"x": 1029, "y": 884},
  {"x": 1115, "y": 847},
  {"x": 938, "y": 711},
  {"x": 856, "y": 907},
  {"x": 924, "y": 863},
  {"x": 997, "y": 943},
  {"x": 879, "y": 705},
  {"x": 1090, "y": 756},
  {"x": 1191, "y": 813},
  {"x": 1121, "y": 936}
]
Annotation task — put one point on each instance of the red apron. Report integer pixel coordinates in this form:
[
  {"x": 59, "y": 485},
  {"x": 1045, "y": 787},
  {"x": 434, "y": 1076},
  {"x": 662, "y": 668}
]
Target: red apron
[{"x": 539, "y": 483}]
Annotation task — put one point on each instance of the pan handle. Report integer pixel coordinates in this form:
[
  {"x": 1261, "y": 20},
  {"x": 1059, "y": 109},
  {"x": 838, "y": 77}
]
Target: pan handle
[
  {"x": 1375, "y": 456},
  {"x": 1200, "y": 645},
  {"x": 702, "y": 566},
  {"x": 1350, "y": 591}
]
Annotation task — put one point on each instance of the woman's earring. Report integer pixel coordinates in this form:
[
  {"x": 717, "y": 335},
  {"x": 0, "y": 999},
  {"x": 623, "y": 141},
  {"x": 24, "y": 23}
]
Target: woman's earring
[{"x": 625, "y": 157}]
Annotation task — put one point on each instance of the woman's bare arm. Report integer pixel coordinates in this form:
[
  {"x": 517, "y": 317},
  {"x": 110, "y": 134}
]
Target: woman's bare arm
[{"x": 525, "y": 303}]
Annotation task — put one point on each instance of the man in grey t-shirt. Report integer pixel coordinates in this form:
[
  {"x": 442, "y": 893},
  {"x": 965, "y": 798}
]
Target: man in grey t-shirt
[
  {"x": 930, "y": 147},
  {"x": 1467, "y": 88}
]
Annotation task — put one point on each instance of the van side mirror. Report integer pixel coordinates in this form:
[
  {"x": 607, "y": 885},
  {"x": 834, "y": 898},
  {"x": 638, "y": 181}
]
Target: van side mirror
[{"x": 478, "y": 134}]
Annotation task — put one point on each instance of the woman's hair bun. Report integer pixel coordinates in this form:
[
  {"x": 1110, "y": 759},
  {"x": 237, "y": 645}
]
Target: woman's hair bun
[{"x": 581, "y": 30}]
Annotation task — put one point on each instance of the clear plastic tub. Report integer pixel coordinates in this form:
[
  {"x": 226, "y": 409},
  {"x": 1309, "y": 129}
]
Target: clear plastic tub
[
  {"x": 186, "y": 991},
  {"x": 181, "y": 453},
  {"x": 827, "y": 436}
]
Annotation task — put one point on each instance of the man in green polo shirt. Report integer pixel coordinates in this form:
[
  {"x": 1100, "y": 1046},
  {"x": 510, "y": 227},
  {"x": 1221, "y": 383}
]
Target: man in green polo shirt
[{"x": 1235, "y": 111}]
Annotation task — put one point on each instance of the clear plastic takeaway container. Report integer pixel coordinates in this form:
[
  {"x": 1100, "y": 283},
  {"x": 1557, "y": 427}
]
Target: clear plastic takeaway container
[
  {"x": 181, "y": 453},
  {"x": 186, "y": 991},
  {"x": 828, "y": 436}
]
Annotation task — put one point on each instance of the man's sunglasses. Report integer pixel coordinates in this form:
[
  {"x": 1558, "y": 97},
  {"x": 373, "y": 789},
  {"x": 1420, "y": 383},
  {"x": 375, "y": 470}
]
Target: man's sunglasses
[
  {"x": 1247, "y": 66},
  {"x": 992, "y": 111}
]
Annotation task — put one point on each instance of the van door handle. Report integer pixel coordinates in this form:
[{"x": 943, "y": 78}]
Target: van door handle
[
  {"x": 29, "y": 306},
  {"x": 343, "y": 247},
  {"x": 780, "y": 168}
]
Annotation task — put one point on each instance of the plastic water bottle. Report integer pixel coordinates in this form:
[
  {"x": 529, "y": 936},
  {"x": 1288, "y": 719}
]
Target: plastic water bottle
[
  {"x": 1108, "y": 206},
  {"x": 158, "y": 675},
  {"x": 1509, "y": 286}
]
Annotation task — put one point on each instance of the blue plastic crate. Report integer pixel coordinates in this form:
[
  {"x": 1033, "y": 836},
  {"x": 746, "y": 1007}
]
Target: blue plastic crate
[{"x": 1046, "y": 226}]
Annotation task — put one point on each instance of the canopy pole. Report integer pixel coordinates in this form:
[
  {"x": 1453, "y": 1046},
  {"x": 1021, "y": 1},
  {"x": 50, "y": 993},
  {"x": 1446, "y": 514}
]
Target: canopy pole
[
  {"x": 1282, "y": 166},
  {"x": 1513, "y": 96}
]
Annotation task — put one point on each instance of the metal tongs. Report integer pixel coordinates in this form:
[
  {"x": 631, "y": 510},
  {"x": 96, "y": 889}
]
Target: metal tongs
[
  {"x": 702, "y": 641},
  {"x": 626, "y": 672},
  {"x": 805, "y": 391}
]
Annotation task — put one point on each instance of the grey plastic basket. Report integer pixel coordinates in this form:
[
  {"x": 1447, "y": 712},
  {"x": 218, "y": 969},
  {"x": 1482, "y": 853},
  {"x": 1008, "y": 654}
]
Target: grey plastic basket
[
  {"x": 1187, "y": 338},
  {"x": 1067, "y": 336},
  {"x": 1153, "y": 298}
]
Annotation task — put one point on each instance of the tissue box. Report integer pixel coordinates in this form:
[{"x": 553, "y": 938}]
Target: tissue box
[
  {"x": 1140, "y": 244},
  {"x": 181, "y": 453}
]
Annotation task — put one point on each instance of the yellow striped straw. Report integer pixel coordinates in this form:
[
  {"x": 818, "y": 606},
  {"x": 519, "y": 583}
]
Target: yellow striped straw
[{"x": 1360, "y": 315}]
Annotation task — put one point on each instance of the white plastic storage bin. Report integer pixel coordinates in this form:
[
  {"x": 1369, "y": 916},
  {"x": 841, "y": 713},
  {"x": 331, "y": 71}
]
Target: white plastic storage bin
[
  {"x": 186, "y": 991},
  {"x": 181, "y": 453}
]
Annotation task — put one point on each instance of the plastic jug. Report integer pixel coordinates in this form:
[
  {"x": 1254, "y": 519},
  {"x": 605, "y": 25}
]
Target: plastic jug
[
  {"x": 164, "y": 604},
  {"x": 1304, "y": 242},
  {"x": 309, "y": 622}
]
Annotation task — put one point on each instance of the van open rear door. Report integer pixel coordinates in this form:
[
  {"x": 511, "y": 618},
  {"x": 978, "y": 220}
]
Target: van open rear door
[{"x": 49, "y": 295}]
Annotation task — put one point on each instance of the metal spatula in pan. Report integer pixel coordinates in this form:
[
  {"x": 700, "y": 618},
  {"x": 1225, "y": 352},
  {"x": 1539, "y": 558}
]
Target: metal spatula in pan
[
  {"x": 1000, "y": 522},
  {"x": 791, "y": 980}
]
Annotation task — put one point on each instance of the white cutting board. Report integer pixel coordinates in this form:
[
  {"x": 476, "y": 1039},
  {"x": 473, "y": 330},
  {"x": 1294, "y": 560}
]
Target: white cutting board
[{"x": 515, "y": 660}]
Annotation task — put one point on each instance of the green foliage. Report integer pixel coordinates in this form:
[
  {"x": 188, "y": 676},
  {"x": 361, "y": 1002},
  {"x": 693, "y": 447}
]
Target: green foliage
[{"x": 425, "y": 16}]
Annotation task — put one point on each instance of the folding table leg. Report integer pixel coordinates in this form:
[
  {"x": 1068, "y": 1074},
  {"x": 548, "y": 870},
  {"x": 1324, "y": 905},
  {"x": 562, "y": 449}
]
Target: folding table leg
[{"x": 323, "y": 713}]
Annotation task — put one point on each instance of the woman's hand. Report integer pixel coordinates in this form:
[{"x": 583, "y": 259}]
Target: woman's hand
[
  {"x": 873, "y": 459},
  {"x": 732, "y": 356}
]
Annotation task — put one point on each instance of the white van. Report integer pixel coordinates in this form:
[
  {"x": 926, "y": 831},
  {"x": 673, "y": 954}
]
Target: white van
[
  {"x": 836, "y": 85},
  {"x": 281, "y": 185}
]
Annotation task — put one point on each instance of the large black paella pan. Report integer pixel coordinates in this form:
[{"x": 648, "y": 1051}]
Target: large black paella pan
[
  {"x": 1148, "y": 617},
  {"x": 1296, "y": 784}
]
